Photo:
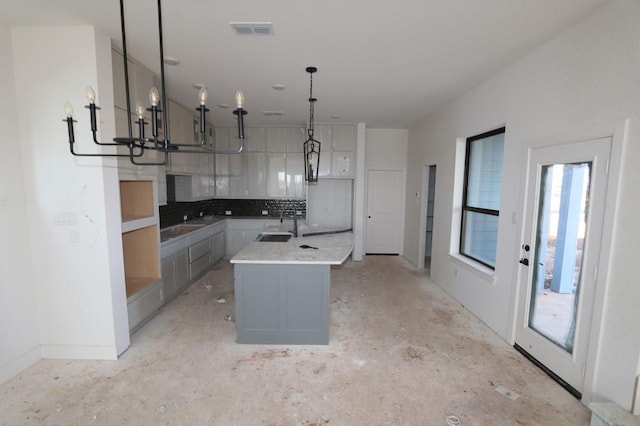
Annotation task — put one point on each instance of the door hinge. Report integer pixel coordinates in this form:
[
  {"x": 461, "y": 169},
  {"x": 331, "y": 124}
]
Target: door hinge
[
  {"x": 584, "y": 369},
  {"x": 606, "y": 168},
  {"x": 595, "y": 273}
]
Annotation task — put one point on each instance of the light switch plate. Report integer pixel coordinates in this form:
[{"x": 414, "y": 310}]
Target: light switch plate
[
  {"x": 265, "y": 212},
  {"x": 227, "y": 212}
]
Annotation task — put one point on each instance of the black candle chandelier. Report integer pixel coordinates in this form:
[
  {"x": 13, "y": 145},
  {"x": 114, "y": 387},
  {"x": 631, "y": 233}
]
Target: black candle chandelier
[
  {"x": 311, "y": 145},
  {"x": 137, "y": 145}
]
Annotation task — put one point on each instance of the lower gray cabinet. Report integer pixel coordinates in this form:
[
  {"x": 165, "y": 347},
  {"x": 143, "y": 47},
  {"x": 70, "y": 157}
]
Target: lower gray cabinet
[
  {"x": 282, "y": 304},
  {"x": 218, "y": 245},
  {"x": 142, "y": 305},
  {"x": 175, "y": 273},
  {"x": 186, "y": 258}
]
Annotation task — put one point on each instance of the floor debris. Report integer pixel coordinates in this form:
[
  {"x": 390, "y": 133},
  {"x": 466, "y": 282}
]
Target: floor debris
[
  {"x": 507, "y": 392},
  {"x": 413, "y": 353},
  {"x": 453, "y": 421}
]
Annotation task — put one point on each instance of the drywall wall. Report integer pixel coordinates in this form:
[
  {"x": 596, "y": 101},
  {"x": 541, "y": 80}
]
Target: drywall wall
[
  {"x": 586, "y": 77},
  {"x": 386, "y": 149},
  {"x": 18, "y": 326},
  {"x": 72, "y": 204}
]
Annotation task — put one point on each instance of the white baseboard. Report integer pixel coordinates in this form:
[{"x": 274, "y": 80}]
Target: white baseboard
[
  {"x": 78, "y": 352},
  {"x": 13, "y": 368}
]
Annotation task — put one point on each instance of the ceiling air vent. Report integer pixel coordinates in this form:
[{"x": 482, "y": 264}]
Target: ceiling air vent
[
  {"x": 272, "y": 113},
  {"x": 252, "y": 28}
]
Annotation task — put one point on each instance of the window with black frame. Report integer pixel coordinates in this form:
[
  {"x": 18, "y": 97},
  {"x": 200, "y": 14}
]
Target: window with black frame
[{"x": 481, "y": 196}]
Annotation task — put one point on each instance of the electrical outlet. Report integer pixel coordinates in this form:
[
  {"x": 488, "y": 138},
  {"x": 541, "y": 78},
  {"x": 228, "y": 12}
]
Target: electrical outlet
[
  {"x": 227, "y": 212},
  {"x": 265, "y": 212},
  {"x": 201, "y": 214},
  {"x": 185, "y": 217}
]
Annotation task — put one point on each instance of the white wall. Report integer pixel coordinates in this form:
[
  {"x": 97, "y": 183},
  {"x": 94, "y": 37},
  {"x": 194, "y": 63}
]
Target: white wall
[
  {"x": 386, "y": 149},
  {"x": 587, "y": 76},
  {"x": 18, "y": 325},
  {"x": 77, "y": 267}
]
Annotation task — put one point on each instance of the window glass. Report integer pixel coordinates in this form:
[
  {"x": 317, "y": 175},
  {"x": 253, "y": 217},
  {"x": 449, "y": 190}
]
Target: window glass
[{"x": 481, "y": 197}]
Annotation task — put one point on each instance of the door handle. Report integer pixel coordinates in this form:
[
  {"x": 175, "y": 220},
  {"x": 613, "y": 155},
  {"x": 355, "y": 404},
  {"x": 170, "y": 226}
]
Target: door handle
[{"x": 524, "y": 261}]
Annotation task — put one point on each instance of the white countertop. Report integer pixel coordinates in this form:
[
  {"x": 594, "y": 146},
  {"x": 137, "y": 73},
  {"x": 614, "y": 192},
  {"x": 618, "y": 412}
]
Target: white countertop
[{"x": 332, "y": 250}]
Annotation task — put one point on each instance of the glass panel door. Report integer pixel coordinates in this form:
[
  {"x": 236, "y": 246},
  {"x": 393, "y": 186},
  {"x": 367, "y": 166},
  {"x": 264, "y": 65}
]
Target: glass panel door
[{"x": 561, "y": 231}]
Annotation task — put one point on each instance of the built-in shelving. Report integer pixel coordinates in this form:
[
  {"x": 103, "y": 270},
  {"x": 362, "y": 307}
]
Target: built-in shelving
[
  {"x": 141, "y": 258},
  {"x": 139, "y": 235}
]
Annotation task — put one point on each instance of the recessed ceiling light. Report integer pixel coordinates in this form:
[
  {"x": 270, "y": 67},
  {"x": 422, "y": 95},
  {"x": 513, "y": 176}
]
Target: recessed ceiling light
[
  {"x": 336, "y": 116},
  {"x": 272, "y": 113},
  {"x": 223, "y": 105},
  {"x": 279, "y": 86},
  {"x": 170, "y": 60}
]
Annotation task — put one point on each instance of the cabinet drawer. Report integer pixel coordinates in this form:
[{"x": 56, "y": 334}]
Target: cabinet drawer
[
  {"x": 198, "y": 250},
  {"x": 200, "y": 265}
]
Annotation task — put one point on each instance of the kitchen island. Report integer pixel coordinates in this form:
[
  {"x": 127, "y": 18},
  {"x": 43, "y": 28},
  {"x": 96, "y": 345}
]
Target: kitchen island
[{"x": 282, "y": 290}]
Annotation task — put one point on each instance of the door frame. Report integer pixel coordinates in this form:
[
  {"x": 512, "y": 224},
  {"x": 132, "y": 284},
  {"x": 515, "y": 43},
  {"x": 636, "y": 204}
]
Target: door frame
[
  {"x": 423, "y": 213},
  {"x": 617, "y": 131}
]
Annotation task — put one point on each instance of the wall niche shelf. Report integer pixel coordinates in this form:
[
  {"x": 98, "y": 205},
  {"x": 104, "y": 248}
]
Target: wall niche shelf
[
  {"x": 141, "y": 258},
  {"x": 136, "y": 200}
]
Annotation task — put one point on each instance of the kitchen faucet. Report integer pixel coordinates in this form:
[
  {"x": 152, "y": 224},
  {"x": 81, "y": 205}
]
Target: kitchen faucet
[{"x": 295, "y": 221}]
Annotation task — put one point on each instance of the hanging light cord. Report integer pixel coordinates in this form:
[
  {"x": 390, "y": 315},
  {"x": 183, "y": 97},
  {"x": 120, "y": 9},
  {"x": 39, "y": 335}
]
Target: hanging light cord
[{"x": 312, "y": 101}]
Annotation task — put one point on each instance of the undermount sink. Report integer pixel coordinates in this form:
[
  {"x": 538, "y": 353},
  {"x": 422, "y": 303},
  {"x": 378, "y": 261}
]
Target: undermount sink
[{"x": 275, "y": 238}]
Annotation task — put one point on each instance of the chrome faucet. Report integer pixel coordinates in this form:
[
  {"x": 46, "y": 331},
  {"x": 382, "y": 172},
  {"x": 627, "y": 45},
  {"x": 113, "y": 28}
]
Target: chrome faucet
[{"x": 295, "y": 221}]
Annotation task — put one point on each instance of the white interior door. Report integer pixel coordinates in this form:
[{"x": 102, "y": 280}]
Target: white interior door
[
  {"x": 559, "y": 255},
  {"x": 384, "y": 211}
]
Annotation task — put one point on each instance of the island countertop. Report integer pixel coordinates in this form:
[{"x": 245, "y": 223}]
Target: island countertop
[{"x": 331, "y": 250}]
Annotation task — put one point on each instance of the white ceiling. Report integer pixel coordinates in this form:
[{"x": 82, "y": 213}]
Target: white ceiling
[{"x": 385, "y": 63}]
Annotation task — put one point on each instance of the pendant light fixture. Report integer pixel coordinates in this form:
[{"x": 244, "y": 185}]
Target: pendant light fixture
[
  {"x": 137, "y": 145},
  {"x": 311, "y": 145}
]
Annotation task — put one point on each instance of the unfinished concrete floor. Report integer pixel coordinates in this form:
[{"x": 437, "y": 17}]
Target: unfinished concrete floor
[{"x": 402, "y": 352}]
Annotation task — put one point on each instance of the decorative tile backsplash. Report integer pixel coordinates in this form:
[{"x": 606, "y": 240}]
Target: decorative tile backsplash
[{"x": 173, "y": 213}]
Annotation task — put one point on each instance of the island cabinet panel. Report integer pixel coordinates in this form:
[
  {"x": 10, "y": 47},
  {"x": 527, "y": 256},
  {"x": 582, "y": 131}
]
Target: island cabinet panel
[{"x": 282, "y": 303}]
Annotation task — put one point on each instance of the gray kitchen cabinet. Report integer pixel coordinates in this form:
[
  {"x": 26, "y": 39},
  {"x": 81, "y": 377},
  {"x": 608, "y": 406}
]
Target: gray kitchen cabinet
[
  {"x": 175, "y": 273},
  {"x": 187, "y": 258},
  {"x": 282, "y": 304},
  {"x": 241, "y": 231},
  {"x": 218, "y": 245},
  {"x": 144, "y": 304}
]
